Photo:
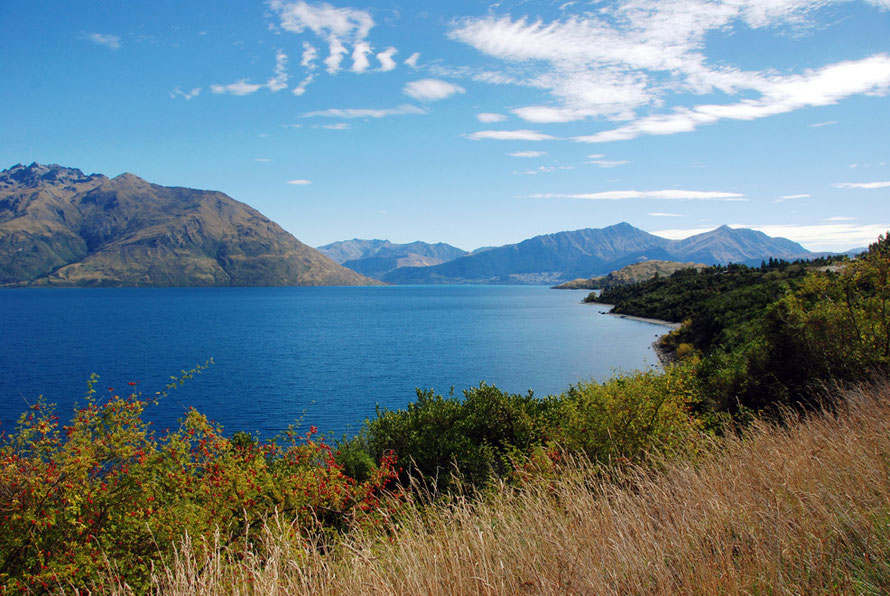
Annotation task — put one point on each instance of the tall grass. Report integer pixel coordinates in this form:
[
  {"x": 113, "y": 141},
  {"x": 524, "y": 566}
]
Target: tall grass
[{"x": 798, "y": 509}]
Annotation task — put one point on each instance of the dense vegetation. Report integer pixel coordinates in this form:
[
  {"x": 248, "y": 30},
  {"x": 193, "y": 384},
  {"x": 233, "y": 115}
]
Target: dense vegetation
[{"x": 103, "y": 499}]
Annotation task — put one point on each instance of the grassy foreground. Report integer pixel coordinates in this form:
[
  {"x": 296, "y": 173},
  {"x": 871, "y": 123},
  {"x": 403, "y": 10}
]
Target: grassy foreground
[{"x": 799, "y": 509}]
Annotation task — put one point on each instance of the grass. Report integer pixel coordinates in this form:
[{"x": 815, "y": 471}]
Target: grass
[{"x": 798, "y": 509}]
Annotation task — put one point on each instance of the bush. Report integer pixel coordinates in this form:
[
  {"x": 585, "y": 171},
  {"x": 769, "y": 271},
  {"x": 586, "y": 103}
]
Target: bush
[{"x": 105, "y": 488}]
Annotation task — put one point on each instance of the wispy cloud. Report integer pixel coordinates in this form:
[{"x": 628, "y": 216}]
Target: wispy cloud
[
  {"x": 840, "y": 218},
  {"x": 821, "y": 124},
  {"x": 660, "y": 214},
  {"x": 336, "y": 126},
  {"x": 360, "y": 62},
  {"x": 821, "y": 87},
  {"x": 431, "y": 89},
  {"x": 241, "y": 87},
  {"x": 385, "y": 58},
  {"x": 784, "y": 198},
  {"x": 262, "y": 159},
  {"x": 104, "y": 39},
  {"x": 276, "y": 82},
  {"x": 365, "y": 112},
  {"x": 632, "y": 55},
  {"x": 608, "y": 163},
  {"x": 187, "y": 95},
  {"x": 412, "y": 60},
  {"x": 279, "y": 79},
  {"x": 336, "y": 26},
  {"x": 299, "y": 182},
  {"x": 863, "y": 185},
  {"x": 510, "y": 135},
  {"x": 544, "y": 170},
  {"x": 528, "y": 154},
  {"x": 671, "y": 195},
  {"x": 489, "y": 118}
]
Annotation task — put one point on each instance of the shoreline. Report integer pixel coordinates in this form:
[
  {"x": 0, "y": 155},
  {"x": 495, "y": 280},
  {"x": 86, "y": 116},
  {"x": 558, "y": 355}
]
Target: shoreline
[
  {"x": 665, "y": 358},
  {"x": 661, "y": 322}
]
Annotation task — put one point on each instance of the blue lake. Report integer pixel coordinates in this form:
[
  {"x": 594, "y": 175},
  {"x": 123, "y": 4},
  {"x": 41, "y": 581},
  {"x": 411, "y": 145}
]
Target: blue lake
[{"x": 323, "y": 355}]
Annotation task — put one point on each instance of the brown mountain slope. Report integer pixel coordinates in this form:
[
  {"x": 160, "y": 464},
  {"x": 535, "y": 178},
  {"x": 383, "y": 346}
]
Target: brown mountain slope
[
  {"x": 630, "y": 274},
  {"x": 61, "y": 227}
]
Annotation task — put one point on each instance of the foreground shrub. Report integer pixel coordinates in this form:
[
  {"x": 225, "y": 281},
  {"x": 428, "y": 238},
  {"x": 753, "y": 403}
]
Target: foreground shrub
[{"x": 105, "y": 490}]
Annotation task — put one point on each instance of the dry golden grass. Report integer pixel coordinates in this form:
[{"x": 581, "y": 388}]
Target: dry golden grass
[{"x": 797, "y": 510}]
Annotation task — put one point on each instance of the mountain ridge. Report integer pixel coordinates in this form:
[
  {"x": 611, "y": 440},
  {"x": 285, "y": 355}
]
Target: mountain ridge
[
  {"x": 591, "y": 252},
  {"x": 59, "y": 226}
]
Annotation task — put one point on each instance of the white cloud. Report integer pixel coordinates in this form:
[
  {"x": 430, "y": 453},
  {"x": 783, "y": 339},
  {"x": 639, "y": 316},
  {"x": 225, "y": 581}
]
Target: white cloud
[
  {"x": 798, "y": 196},
  {"x": 840, "y": 218},
  {"x": 821, "y": 124},
  {"x": 366, "y": 112},
  {"x": 385, "y": 58},
  {"x": 338, "y": 27},
  {"x": 863, "y": 185},
  {"x": 608, "y": 163},
  {"x": 310, "y": 55},
  {"x": 187, "y": 95},
  {"x": 337, "y": 126},
  {"x": 510, "y": 135},
  {"x": 360, "y": 62},
  {"x": 104, "y": 39},
  {"x": 488, "y": 117},
  {"x": 412, "y": 60},
  {"x": 528, "y": 154},
  {"x": 822, "y": 87},
  {"x": 431, "y": 89},
  {"x": 622, "y": 57},
  {"x": 544, "y": 170},
  {"x": 299, "y": 182},
  {"x": 659, "y": 214},
  {"x": 279, "y": 80},
  {"x": 276, "y": 82},
  {"x": 595, "y": 156},
  {"x": 674, "y": 195},
  {"x": 241, "y": 87},
  {"x": 301, "y": 88}
]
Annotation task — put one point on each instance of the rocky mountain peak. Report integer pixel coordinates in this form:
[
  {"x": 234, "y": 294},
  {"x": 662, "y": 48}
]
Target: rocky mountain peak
[{"x": 39, "y": 174}]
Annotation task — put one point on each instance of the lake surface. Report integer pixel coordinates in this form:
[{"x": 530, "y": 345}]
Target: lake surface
[{"x": 326, "y": 355}]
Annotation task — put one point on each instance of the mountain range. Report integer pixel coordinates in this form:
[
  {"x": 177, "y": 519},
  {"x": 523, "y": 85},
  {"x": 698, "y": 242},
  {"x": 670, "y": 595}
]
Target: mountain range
[
  {"x": 591, "y": 252},
  {"x": 376, "y": 258},
  {"x": 59, "y": 226}
]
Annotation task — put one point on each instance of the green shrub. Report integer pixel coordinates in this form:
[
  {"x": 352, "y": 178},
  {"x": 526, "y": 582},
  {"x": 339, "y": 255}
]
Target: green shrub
[{"x": 437, "y": 436}]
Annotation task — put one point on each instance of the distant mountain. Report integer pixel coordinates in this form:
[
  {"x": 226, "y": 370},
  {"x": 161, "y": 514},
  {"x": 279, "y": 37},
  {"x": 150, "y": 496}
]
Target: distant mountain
[
  {"x": 376, "y": 258},
  {"x": 627, "y": 275},
  {"x": 555, "y": 258},
  {"x": 59, "y": 226}
]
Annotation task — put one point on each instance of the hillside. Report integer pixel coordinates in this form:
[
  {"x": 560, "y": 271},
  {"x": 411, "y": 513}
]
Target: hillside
[
  {"x": 376, "y": 258},
  {"x": 586, "y": 253},
  {"x": 630, "y": 274},
  {"x": 61, "y": 227}
]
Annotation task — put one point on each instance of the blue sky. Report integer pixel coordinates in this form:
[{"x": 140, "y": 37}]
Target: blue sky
[{"x": 472, "y": 123}]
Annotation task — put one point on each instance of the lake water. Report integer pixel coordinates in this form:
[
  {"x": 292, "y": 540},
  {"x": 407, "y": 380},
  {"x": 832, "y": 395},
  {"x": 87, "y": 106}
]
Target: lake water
[{"x": 326, "y": 355}]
